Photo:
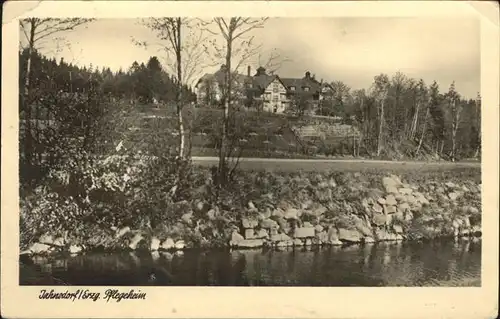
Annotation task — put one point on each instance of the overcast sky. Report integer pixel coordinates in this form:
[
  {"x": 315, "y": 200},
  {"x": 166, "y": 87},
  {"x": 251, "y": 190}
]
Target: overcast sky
[{"x": 352, "y": 50}]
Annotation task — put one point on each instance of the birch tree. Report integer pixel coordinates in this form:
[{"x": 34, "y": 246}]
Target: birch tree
[
  {"x": 236, "y": 48},
  {"x": 37, "y": 31},
  {"x": 456, "y": 107},
  {"x": 380, "y": 90},
  {"x": 182, "y": 45},
  {"x": 421, "y": 99}
]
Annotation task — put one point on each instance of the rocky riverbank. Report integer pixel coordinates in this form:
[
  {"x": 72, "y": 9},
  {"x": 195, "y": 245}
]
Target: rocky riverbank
[{"x": 302, "y": 209}]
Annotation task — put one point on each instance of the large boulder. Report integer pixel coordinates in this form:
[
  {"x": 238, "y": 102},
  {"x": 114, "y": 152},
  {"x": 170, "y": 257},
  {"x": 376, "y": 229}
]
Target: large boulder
[
  {"x": 249, "y": 223},
  {"x": 379, "y": 219},
  {"x": 250, "y": 243},
  {"x": 368, "y": 240},
  {"x": 135, "y": 241},
  {"x": 333, "y": 236},
  {"x": 304, "y": 232},
  {"x": 280, "y": 237},
  {"x": 322, "y": 237},
  {"x": 262, "y": 233},
  {"x": 381, "y": 234},
  {"x": 391, "y": 183},
  {"x": 268, "y": 224},
  {"x": 421, "y": 198},
  {"x": 38, "y": 248},
  {"x": 155, "y": 244},
  {"x": 404, "y": 207},
  {"x": 362, "y": 226},
  {"x": 377, "y": 208},
  {"x": 390, "y": 209},
  {"x": 349, "y": 235},
  {"x": 46, "y": 239},
  {"x": 390, "y": 200},
  {"x": 249, "y": 233},
  {"x": 236, "y": 238},
  {"x": 122, "y": 231},
  {"x": 278, "y": 212},
  {"x": 292, "y": 213},
  {"x": 76, "y": 249},
  {"x": 398, "y": 229},
  {"x": 168, "y": 244}
]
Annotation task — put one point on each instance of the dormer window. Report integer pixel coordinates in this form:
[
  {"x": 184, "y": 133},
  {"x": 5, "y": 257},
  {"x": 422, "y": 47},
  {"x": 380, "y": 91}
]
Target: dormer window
[
  {"x": 292, "y": 88},
  {"x": 306, "y": 89}
]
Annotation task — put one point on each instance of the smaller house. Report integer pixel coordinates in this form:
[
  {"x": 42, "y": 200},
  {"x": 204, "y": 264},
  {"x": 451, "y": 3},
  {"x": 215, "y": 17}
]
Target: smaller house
[{"x": 209, "y": 88}]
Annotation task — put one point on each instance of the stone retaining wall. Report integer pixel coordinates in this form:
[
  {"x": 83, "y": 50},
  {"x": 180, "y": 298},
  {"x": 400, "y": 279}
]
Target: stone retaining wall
[{"x": 393, "y": 211}]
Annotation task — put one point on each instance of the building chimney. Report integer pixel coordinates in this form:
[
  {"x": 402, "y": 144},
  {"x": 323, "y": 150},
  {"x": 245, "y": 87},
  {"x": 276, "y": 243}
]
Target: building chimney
[
  {"x": 248, "y": 70},
  {"x": 261, "y": 71},
  {"x": 308, "y": 75}
]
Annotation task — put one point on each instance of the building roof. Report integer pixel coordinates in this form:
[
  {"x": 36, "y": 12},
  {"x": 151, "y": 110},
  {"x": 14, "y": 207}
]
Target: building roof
[
  {"x": 219, "y": 76},
  {"x": 261, "y": 80}
]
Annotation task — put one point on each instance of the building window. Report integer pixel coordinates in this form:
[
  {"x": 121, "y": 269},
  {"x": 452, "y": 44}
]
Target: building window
[
  {"x": 292, "y": 88},
  {"x": 306, "y": 89},
  {"x": 275, "y": 98},
  {"x": 275, "y": 87},
  {"x": 275, "y": 110}
]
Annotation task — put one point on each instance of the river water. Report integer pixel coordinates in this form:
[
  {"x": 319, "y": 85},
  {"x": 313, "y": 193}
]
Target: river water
[{"x": 437, "y": 263}]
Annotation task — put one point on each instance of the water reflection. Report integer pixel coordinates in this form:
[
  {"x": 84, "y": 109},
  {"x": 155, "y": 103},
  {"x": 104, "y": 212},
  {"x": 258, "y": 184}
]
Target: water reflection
[{"x": 381, "y": 264}]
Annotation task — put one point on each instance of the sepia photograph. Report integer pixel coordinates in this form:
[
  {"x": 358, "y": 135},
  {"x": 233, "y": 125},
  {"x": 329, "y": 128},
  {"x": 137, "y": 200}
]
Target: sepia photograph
[
  {"x": 146, "y": 147},
  {"x": 248, "y": 151}
]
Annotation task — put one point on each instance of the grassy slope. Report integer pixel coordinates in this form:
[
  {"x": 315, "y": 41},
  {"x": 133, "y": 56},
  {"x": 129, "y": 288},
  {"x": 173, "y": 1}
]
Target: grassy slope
[{"x": 259, "y": 134}]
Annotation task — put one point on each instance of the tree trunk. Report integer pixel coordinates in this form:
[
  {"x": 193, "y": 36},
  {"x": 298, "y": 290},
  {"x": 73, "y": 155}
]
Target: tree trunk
[
  {"x": 414, "y": 122},
  {"x": 179, "y": 92},
  {"x": 28, "y": 142},
  {"x": 423, "y": 131},
  {"x": 381, "y": 127},
  {"x": 227, "y": 103}
]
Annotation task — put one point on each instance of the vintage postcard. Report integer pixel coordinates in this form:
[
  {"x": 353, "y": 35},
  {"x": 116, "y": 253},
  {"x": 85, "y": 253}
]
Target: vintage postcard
[{"x": 313, "y": 159}]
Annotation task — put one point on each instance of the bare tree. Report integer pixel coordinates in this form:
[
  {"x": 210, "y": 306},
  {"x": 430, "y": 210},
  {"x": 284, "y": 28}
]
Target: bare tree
[
  {"x": 478, "y": 125},
  {"x": 273, "y": 62},
  {"x": 380, "y": 90},
  {"x": 456, "y": 108},
  {"x": 421, "y": 98},
  {"x": 237, "y": 47},
  {"x": 36, "y": 32},
  {"x": 424, "y": 129},
  {"x": 182, "y": 44}
]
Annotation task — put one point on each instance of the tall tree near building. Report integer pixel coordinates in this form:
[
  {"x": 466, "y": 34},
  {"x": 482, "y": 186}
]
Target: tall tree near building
[{"x": 237, "y": 47}]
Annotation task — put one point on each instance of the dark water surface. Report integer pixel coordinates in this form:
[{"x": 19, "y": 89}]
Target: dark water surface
[{"x": 443, "y": 263}]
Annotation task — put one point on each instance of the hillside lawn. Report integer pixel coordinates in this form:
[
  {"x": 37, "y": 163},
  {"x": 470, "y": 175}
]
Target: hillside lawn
[{"x": 256, "y": 134}]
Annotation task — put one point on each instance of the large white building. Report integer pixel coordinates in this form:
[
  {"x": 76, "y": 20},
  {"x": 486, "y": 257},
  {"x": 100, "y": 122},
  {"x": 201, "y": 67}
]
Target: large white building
[{"x": 268, "y": 91}]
